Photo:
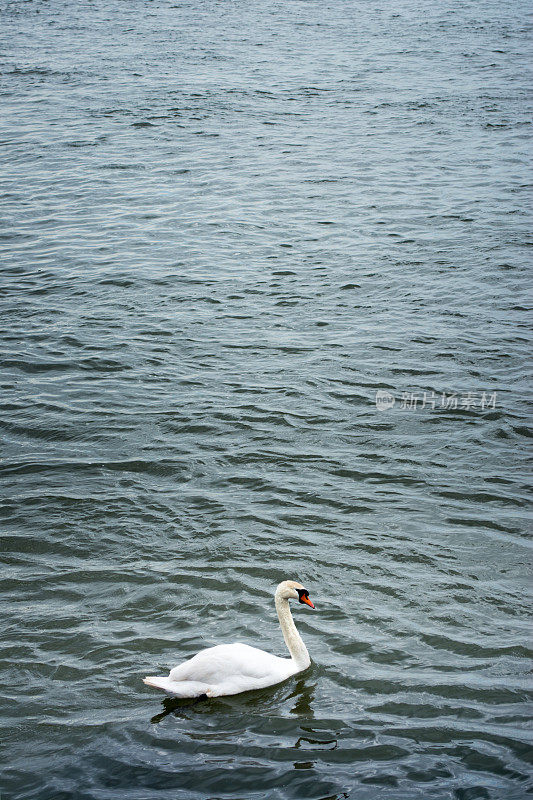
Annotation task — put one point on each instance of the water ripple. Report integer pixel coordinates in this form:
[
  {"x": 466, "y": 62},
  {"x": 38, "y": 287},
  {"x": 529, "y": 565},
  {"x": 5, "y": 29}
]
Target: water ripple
[{"x": 216, "y": 252}]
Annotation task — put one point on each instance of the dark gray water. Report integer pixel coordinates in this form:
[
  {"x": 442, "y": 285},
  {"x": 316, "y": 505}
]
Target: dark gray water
[{"x": 227, "y": 225}]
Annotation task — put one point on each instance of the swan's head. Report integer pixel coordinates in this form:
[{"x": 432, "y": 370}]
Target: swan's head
[{"x": 292, "y": 590}]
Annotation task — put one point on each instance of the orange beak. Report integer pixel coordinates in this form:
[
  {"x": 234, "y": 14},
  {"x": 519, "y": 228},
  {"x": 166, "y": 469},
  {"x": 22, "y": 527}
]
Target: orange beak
[{"x": 307, "y": 601}]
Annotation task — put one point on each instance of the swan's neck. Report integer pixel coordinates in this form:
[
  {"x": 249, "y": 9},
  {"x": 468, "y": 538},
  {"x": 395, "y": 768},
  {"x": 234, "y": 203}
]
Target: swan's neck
[{"x": 293, "y": 640}]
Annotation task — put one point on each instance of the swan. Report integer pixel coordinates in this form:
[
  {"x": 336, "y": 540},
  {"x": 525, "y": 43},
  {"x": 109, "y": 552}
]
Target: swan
[{"x": 233, "y": 668}]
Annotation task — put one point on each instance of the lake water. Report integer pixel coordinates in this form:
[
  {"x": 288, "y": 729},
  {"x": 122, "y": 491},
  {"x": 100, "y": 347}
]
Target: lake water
[{"x": 226, "y": 227}]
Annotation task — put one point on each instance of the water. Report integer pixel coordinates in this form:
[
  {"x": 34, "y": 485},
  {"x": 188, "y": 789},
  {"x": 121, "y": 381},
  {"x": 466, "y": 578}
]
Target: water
[{"x": 227, "y": 225}]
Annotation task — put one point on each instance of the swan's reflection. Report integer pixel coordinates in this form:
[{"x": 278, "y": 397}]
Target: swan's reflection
[
  {"x": 328, "y": 743},
  {"x": 302, "y": 693},
  {"x": 176, "y": 706},
  {"x": 310, "y": 738}
]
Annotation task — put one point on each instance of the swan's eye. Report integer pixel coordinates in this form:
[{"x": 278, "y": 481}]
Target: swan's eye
[{"x": 303, "y": 594}]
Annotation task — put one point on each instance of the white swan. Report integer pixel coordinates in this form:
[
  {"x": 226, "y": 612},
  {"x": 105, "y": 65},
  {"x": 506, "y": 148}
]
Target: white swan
[{"x": 233, "y": 668}]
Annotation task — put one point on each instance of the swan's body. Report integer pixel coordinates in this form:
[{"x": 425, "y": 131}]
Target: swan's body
[{"x": 233, "y": 668}]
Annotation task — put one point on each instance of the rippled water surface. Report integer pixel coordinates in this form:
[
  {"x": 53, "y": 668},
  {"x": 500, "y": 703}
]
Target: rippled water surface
[{"x": 226, "y": 226}]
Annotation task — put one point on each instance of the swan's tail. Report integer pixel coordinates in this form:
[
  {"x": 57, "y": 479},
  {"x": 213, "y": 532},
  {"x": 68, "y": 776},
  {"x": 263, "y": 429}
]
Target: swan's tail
[{"x": 177, "y": 688}]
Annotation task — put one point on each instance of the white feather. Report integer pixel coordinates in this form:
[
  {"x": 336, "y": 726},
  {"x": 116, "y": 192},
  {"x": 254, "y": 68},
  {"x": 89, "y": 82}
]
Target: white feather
[{"x": 232, "y": 668}]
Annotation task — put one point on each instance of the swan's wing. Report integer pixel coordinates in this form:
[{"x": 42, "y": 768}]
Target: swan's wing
[{"x": 230, "y": 661}]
